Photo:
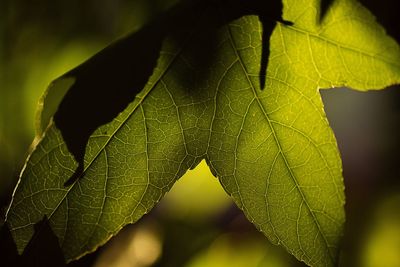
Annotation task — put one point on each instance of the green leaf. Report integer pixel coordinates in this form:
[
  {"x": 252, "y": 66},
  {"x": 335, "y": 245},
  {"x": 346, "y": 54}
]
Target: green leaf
[
  {"x": 109, "y": 156},
  {"x": 49, "y": 102}
]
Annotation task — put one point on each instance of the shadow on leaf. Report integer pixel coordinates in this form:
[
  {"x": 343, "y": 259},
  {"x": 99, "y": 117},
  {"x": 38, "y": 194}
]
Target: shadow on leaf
[
  {"x": 324, "y": 7},
  {"x": 42, "y": 250},
  {"x": 386, "y": 14},
  {"x": 109, "y": 81}
]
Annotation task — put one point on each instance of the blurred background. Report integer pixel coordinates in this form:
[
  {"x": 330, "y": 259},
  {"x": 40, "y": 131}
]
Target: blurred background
[{"x": 196, "y": 224}]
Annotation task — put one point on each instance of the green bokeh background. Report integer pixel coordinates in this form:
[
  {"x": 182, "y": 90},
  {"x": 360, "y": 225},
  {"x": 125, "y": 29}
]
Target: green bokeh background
[{"x": 196, "y": 224}]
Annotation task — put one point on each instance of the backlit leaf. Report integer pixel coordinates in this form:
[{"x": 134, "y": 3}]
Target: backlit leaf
[{"x": 233, "y": 83}]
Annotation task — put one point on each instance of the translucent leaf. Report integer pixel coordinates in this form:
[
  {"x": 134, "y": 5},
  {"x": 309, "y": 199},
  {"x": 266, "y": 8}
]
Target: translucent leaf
[{"x": 231, "y": 82}]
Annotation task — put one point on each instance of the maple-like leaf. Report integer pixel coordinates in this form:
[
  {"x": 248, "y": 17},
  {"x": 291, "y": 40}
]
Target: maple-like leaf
[{"x": 233, "y": 82}]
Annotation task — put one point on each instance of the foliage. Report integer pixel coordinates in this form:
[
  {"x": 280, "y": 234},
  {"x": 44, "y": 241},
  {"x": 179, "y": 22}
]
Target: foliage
[{"x": 237, "y": 85}]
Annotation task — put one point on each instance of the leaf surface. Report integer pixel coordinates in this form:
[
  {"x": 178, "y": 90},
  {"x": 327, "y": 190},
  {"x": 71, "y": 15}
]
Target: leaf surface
[{"x": 263, "y": 132}]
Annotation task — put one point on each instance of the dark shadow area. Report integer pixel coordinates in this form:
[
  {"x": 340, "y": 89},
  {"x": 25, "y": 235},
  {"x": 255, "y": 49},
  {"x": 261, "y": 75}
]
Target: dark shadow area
[
  {"x": 104, "y": 86},
  {"x": 110, "y": 80},
  {"x": 386, "y": 13},
  {"x": 269, "y": 14},
  {"x": 7, "y": 247},
  {"x": 324, "y": 7},
  {"x": 42, "y": 250},
  {"x": 43, "y": 240}
]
